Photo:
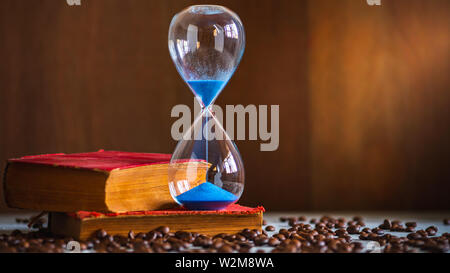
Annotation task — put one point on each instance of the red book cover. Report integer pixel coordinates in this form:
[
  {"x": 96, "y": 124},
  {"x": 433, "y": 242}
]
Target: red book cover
[
  {"x": 231, "y": 209},
  {"x": 101, "y": 160}
]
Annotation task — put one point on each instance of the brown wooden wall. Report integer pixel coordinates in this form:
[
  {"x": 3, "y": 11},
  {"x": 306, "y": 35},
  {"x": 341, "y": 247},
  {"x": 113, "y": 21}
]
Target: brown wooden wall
[{"x": 363, "y": 92}]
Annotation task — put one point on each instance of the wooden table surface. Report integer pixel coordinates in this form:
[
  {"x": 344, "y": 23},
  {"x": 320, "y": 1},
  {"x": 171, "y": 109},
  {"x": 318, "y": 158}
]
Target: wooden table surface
[{"x": 371, "y": 219}]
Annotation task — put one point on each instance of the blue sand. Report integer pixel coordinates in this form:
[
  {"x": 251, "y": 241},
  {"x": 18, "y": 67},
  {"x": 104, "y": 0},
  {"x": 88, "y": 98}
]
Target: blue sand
[
  {"x": 207, "y": 90},
  {"x": 206, "y": 196}
]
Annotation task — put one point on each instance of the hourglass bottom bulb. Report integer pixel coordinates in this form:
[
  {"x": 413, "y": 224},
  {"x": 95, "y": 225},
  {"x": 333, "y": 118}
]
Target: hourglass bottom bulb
[{"x": 206, "y": 196}]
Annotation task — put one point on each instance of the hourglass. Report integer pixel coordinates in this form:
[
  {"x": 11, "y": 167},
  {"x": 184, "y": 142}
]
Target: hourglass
[{"x": 206, "y": 43}]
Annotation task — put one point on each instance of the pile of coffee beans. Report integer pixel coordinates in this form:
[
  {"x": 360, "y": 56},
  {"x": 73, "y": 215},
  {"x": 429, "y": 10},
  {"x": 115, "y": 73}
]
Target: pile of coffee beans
[{"x": 324, "y": 235}]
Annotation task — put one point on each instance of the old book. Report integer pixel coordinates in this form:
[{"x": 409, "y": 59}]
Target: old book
[
  {"x": 105, "y": 181},
  {"x": 81, "y": 225}
]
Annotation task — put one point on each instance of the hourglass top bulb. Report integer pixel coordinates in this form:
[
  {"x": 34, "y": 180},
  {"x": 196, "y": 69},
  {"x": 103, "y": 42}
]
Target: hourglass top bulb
[{"x": 206, "y": 43}]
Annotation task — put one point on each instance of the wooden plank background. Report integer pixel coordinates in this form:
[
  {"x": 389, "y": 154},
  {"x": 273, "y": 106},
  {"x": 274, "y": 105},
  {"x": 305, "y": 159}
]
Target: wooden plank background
[{"x": 363, "y": 93}]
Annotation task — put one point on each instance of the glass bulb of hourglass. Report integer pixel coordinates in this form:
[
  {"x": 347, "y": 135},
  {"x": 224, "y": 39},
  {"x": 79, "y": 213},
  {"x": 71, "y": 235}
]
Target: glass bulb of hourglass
[{"x": 206, "y": 43}]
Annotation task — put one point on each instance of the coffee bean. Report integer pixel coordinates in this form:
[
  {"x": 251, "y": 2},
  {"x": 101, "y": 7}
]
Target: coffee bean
[
  {"x": 163, "y": 229},
  {"x": 366, "y": 230},
  {"x": 108, "y": 238},
  {"x": 225, "y": 249},
  {"x": 422, "y": 233},
  {"x": 397, "y": 227},
  {"x": 270, "y": 228},
  {"x": 386, "y": 224},
  {"x": 411, "y": 224},
  {"x": 184, "y": 235},
  {"x": 240, "y": 238},
  {"x": 360, "y": 223},
  {"x": 446, "y": 221},
  {"x": 341, "y": 232},
  {"x": 410, "y": 229},
  {"x": 101, "y": 233},
  {"x": 223, "y": 235},
  {"x": 143, "y": 249},
  {"x": 320, "y": 225},
  {"x": 287, "y": 249},
  {"x": 296, "y": 243},
  {"x": 284, "y": 231},
  {"x": 244, "y": 250},
  {"x": 152, "y": 235},
  {"x": 372, "y": 236},
  {"x": 378, "y": 231},
  {"x": 166, "y": 246},
  {"x": 413, "y": 236},
  {"x": 141, "y": 235},
  {"x": 230, "y": 237},
  {"x": 273, "y": 242},
  {"x": 353, "y": 230},
  {"x": 431, "y": 231},
  {"x": 217, "y": 244},
  {"x": 280, "y": 237},
  {"x": 167, "y": 235},
  {"x": 249, "y": 234},
  {"x": 257, "y": 231},
  {"x": 261, "y": 240},
  {"x": 121, "y": 240}
]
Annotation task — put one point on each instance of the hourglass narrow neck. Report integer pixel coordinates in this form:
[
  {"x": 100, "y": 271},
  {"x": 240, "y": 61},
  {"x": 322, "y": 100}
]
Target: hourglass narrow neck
[
  {"x": 207, "y": 111},
  {"x": 206, "y": 90}
]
